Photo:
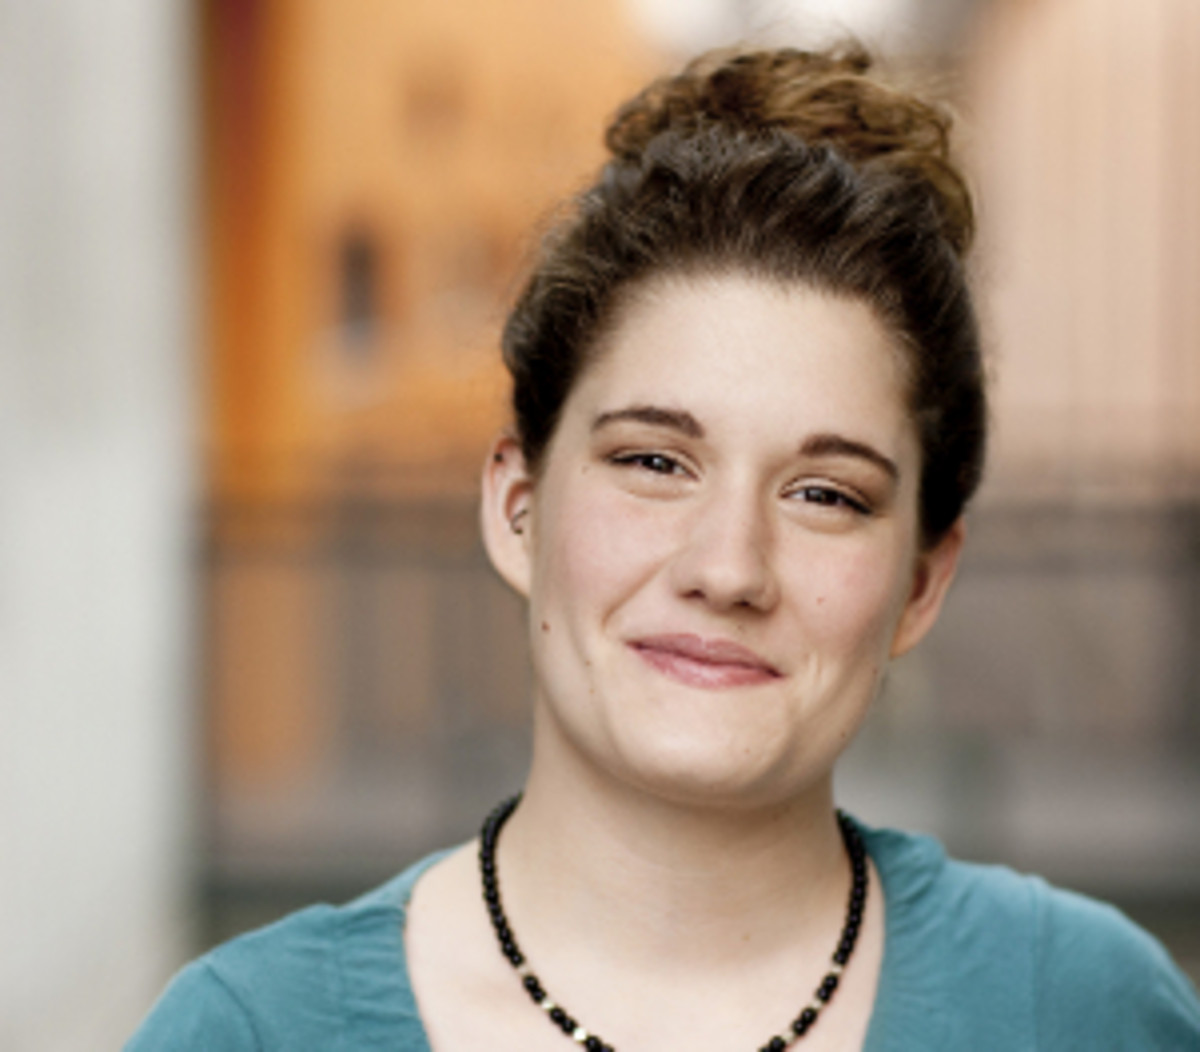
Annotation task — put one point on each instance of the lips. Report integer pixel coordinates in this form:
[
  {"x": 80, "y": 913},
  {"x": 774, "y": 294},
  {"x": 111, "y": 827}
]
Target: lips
[{"x": 711, "y": 664}]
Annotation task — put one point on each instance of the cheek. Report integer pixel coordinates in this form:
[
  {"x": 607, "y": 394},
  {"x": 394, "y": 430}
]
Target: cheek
[
  {"x": 853, "y": 596},
  {"x": 593, "y": 548}
]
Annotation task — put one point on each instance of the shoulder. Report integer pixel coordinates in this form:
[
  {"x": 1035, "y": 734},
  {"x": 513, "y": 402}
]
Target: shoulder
[
  {"x": 197, "y": 1010},
  {"x": 1097, "y": 973},
  {"x": 1049, "y": 968},
  {"x": 944, "y": 899},
  {"x": 297, "y": 983}
]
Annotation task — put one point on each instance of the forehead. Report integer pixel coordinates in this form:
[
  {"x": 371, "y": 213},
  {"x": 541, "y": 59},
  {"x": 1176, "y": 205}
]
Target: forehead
[{"x": 752, "y": 352}]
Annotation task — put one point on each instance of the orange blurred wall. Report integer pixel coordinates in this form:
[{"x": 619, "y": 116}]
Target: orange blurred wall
[
  {"x": 375, "y": 173},
  {"x": 418, "y": 142}
]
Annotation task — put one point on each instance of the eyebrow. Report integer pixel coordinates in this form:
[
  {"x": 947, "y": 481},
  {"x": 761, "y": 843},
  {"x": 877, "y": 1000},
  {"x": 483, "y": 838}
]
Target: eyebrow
[
  {"x": 675, "y": 419},
  {"x": 824, "y": 444},
  {"x": 828, "y": 444}
]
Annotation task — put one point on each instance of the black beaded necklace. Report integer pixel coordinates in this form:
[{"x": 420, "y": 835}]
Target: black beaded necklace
[{"x": 563, "y": 1019}]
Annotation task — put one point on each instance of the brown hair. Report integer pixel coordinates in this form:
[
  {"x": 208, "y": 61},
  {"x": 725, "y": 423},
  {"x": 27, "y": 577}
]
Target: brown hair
[{"x": 792, "y": 166}]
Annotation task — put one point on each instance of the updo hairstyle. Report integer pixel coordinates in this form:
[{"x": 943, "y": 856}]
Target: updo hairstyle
[{"x": 790, "y": 166}]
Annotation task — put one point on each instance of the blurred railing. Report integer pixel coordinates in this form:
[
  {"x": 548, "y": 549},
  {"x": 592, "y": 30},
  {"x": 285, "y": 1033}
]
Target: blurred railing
[
  {"x": 368, "y": 691},
  {"x": 366, "y": 681}
]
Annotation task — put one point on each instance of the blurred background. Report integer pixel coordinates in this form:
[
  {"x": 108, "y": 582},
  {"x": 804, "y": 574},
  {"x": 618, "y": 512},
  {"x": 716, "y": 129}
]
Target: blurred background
[{"x": 254, "y": 257}]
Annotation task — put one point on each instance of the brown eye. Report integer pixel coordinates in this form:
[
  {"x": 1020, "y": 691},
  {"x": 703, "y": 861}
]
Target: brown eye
[
  {"x": 658, "y": 463},
  {"x": 827, "y": 496},
  {"x": 820, "y": 495}
]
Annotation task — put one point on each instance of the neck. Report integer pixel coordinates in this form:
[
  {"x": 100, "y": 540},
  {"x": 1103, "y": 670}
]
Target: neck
[{"x": 669, "y": 885}]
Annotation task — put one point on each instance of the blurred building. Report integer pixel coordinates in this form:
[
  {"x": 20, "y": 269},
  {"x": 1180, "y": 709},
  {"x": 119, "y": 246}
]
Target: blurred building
[
  {"x": 1088, "y": 164},
  {"x": 1052, "y": 720},
  {"x": 373, "y": 175}
]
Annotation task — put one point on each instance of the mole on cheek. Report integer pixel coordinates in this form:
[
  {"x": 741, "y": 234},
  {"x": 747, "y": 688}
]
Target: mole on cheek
[{"x": 545, "y": 626}]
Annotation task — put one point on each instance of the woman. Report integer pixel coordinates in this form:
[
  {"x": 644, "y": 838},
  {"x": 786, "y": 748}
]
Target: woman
[{"x": 749, "y": 412}]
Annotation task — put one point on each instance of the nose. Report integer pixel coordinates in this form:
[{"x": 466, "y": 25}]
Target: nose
[{"x": 726, "y": 557}]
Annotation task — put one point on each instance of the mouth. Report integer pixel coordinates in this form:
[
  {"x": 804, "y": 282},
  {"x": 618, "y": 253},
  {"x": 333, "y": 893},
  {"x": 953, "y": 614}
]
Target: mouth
[{"x": 711, "y": 664}]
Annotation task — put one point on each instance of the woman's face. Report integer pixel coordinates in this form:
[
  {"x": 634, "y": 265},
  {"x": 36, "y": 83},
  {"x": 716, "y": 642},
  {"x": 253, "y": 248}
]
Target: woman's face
[{"x": 721, "y": 550}]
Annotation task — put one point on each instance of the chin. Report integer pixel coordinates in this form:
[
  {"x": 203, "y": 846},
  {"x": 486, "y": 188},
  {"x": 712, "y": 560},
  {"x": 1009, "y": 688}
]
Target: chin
[{"x": 708, "y": 773}]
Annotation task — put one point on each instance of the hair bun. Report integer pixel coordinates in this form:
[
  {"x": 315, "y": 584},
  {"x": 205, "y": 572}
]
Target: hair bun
[{"x": 820, "y": 97}]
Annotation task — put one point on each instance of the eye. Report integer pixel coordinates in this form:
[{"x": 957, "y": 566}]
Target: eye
[
  {"x": 830, "y": 497},
  {"x": 656, "y": 463}
]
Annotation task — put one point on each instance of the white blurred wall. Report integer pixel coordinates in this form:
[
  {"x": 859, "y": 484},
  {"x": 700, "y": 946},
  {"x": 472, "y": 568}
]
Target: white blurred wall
[{"x": 96, "y": 123}]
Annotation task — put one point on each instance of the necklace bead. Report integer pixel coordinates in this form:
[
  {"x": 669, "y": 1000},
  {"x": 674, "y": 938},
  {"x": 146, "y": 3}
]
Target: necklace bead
[{"x": 558, "y": 1015}]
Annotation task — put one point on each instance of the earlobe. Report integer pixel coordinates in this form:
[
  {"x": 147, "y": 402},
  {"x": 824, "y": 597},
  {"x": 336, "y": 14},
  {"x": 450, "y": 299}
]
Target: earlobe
[
  {"x": 506, "y": 511},
  {"x": 932, "y": 576}
]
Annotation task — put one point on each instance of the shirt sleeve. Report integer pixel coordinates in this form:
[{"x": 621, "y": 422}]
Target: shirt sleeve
[
  {"x": 1101, "y": 982},
  {"x": 196, "y": 1013}
]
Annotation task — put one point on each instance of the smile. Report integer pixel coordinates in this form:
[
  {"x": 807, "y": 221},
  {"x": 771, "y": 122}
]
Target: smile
[{"x": 711, "y": 664}]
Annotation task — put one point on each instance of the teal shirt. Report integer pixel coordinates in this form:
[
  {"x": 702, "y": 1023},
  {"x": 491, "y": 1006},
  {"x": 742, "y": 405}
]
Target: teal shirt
[{"x": 975, "y": 957}]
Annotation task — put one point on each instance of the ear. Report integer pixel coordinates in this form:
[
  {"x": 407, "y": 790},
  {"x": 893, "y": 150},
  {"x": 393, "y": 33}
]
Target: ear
[
  {"x": 506, "y": 512},
  {"x": 932, "y": 574}
]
